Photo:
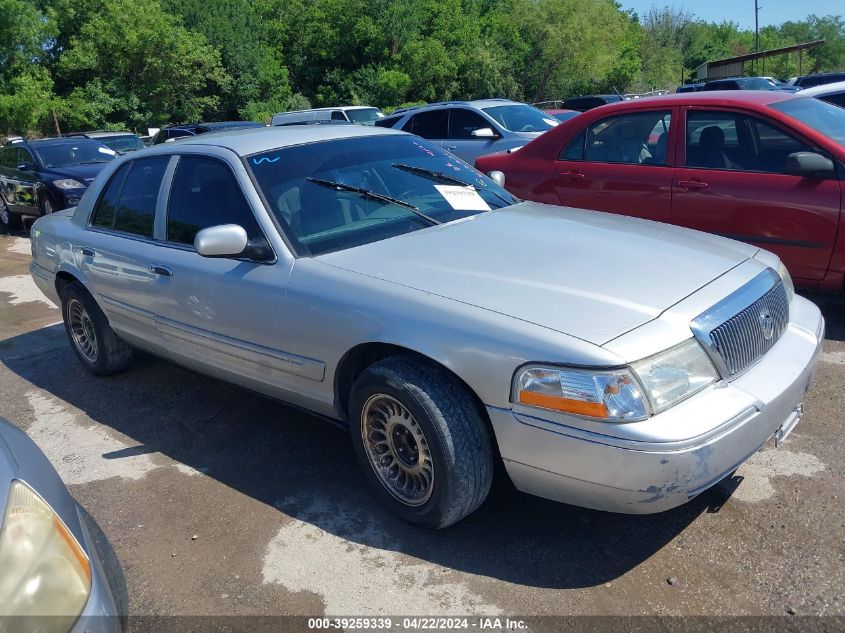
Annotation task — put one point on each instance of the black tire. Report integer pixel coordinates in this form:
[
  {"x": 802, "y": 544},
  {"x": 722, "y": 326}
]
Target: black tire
[
  {"x": 8, "y": 220},
  {"x": 105, "y": 352},
  {"x": 461, "y": 454},
  {"x": 46, "y": 205}
]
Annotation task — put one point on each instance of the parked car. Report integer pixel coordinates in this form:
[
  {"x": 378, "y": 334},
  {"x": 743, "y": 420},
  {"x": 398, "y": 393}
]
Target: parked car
[
  {"x": 469, "y": 129},
  {"x": 39, "y": 177},
  {"x": 366, "y": 275},
  {"x": 561, "y": 114},
  {"x": 582, "y": 104},
  {"x": 121, "y": 142},
  {"x": 172, "y": 132},
  {"x": 832, "y": 93},
  {"x": 360, "y": 115},
  {"x": 52, "y": 577},
  {"x": 809, "y": 81},
  {"x": 697, "y": 87},
  {"x": 755, "y": 166},
  {"x": 748, "y": 83}
]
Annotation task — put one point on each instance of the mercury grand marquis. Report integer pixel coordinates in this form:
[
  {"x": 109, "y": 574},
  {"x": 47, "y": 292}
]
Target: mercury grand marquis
[{"x": 370, "y": 277}]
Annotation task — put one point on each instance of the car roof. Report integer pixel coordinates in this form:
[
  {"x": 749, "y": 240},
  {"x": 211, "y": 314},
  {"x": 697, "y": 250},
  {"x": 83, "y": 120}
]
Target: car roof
[
  {"x": 248, "y": 141},
  {"x": 714, "y": 97},
  {"x": 476, "y": 103},
  {"x": 823, "y": 89},
  {"x": 64, "y": 140}
]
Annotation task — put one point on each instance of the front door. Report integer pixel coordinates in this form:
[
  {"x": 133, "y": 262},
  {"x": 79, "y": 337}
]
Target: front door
[
  {"x": 461, "y": 142},
  {"x": 620, "y": 164},
  {"x": 734, "y": 182}
]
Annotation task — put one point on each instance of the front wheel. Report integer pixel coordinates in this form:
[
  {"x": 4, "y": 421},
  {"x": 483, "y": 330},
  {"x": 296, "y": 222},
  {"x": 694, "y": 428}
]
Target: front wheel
[
  {"x": 98, "y": 348},
  {"x": 421, "y": 441}
]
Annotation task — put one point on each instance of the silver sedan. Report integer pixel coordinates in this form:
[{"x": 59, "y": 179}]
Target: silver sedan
[{"x": 371, "y": 278}]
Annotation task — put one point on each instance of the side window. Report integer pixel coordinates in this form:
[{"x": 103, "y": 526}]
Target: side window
[
  {"x": 137, "y": 203},
  {"x": 431, "y": 125},
  {"x": 574, "y": 150},
  {"x": 388, "y": 121},
  {"x": 837, "y": 99},
  {"x": 337, "y": 115},
  {"x": 637, "y": 138},
  {"x": 205, "y": 193},
  {"x": 8, "y": 157},
  {"x": 738, "y": 142},
  {"x": 25, "y": 156},
  {"x": 106, "y": 208},
  {"x": 463, "y": 122}
]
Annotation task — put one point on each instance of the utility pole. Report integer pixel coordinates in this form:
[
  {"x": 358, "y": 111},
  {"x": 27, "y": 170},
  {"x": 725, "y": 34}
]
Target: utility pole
[{"x": 756, "y": 31}]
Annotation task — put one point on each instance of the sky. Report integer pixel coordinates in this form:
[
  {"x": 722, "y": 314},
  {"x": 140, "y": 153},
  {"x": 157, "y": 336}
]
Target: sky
[{"x": 742, "y": 11}]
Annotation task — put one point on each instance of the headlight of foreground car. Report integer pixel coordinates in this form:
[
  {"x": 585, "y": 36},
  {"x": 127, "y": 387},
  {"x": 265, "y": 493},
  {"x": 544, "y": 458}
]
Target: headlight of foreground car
[
  {"x": 68, "y": 183},
  {"x": 787, "y": 282},
  {"x": 650, "y": 386},
  {"x": 43, "y": 571}
]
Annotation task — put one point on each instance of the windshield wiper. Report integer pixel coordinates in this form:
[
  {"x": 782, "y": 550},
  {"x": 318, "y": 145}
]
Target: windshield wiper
[
  {"x": 439, "y": 175},
  {"x": 373, "y": 195}
]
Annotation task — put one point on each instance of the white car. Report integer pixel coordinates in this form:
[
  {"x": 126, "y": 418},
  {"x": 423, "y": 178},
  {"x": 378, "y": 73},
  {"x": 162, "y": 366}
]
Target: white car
[
  {"x": 360, "y": 115},
  {"x": 832, "y": 93}
]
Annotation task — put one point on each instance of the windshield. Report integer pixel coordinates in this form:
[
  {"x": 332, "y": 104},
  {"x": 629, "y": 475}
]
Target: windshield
[
  {"x": 128, "y": 143},
  {"x": 521, "y": 118},
  {"x": 79, "y": 152},
  {"x": 311, "y": 189},
  {"x": 819, "y": 115},
  {"x": 364, "y": 116}
]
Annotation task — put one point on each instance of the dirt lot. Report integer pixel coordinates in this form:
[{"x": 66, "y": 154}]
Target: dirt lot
[{"x": 220, "y": 501}]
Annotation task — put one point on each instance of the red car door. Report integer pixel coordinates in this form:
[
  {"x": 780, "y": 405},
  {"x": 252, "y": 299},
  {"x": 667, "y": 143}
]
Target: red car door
[
  {"x": 620, "y": 163},
  {"x": 732, "y": 179}
]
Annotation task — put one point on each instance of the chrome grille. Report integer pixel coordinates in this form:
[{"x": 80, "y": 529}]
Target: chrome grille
[{"x": 736, "y": 337}]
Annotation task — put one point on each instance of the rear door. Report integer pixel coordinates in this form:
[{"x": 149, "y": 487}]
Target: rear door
[
  {"x": 732, "y": 180},
  {"x": 620, "y": 163}
]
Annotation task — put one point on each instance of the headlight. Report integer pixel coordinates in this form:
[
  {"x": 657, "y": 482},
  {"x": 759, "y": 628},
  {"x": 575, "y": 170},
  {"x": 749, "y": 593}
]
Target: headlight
[
  {"x": 675, "y": 374},
  {"x": 609, "y": 395},
  {"x": 787, "y": 282},
  {"x": 43, "y": 571},
  {"x": 68, "y": 183}
]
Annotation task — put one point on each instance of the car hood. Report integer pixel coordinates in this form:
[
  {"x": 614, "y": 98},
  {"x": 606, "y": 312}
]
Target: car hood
[
  {"x": 83, "y": 173},
  {"x": 588, "y": 274}
]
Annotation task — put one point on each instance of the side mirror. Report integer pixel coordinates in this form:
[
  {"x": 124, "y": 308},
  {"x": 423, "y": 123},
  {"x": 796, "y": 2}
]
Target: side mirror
[
  {"x": 809, "y": 165},
  {"x": 224, "y": 240},
  {"x": 484, "y": 132},
  {"x": 498, "y": 177},
  {"x": 25, "y": 167}
]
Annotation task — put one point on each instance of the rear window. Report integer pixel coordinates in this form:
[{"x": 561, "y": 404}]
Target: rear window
[{"x": 129, "y": 201}]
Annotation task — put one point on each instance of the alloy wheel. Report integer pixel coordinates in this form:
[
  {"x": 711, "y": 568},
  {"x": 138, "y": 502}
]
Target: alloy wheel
[{"x": 82, "y": 330}]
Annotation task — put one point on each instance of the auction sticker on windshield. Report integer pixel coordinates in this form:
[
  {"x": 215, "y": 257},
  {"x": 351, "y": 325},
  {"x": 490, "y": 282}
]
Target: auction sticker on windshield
[{"x": 462, "y": 198}]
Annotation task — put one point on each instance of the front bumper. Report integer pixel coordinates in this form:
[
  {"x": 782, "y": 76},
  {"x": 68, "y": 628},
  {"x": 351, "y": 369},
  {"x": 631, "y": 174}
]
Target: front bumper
[{"x": 558, "y": 458}]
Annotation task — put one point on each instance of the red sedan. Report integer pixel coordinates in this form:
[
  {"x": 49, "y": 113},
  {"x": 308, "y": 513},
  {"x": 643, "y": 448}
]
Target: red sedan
[{"x": 762, "y": 167}]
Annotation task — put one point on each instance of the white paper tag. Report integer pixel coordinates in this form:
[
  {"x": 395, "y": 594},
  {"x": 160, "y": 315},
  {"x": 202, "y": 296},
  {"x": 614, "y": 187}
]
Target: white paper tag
[
  {"x": 462, "y": 198},
  {"x": 106, "y": 150}
]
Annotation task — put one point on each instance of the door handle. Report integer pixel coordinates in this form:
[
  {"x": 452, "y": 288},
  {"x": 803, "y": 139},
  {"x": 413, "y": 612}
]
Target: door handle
[
  {"x": 164, "y": 271},
  {"x": 87, "y": 252},
  {"x": 451, "y": 147},
  {"x": 692, "y": 184},
  {"x": 572, "y": 175}
]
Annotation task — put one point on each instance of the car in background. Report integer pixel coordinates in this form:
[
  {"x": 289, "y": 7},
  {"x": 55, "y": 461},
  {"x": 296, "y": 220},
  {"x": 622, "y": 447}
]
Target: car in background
[
  {"x": 761, "y": 167},
  {"x": 469, "y": 129},
  {"x": 832, "y": 93},
  {"x": 47, "y": 175},
  {"x": 121, "y": 142},
  {"x": 172, "y": 132},
  {"x": 582, "y": 104},
  {"x": 697, "y": 87},
  {"x": 561, "y": 114},
  {"x": 52, "y": 576},
  {"x": 809, "y": 81},
  {"x": 366, "y": 275},
  {"x": 360, "y": 115},
  {"x": 748, "y": 83}
]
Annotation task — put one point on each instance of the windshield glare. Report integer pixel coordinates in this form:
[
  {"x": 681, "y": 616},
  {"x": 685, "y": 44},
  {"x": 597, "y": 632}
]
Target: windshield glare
[
  {"x": 521, "y": 118},
  {"x": 320, "y": 219},
  {"x": 364, "y": 116},
  {"x": 819, "y": 115},
  {"x": 75, "y": 153}
]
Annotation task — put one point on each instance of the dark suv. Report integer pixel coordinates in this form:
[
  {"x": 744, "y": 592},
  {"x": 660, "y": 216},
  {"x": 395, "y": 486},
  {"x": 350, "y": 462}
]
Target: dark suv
[
  {"x": 39, "y": 177},
  {"x": 172, "y": 132}
]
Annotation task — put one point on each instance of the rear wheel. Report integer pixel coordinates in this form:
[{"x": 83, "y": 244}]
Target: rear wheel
[
  {"x": 420, "y": 440},
  {"x": 96, "y": 345},
  {"x": 8, "y": 220}
]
